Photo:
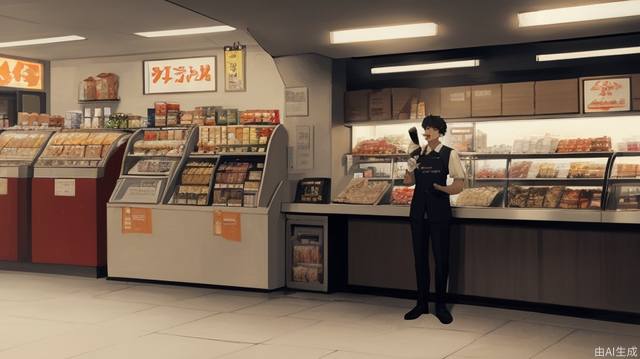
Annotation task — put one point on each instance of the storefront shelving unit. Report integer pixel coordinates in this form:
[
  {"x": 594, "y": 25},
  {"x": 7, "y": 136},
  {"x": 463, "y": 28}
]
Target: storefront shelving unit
[{"x": 184, "y": 244}]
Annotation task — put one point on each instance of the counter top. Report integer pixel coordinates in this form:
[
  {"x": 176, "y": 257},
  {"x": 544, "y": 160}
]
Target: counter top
[{"x": 519, "y": 214}]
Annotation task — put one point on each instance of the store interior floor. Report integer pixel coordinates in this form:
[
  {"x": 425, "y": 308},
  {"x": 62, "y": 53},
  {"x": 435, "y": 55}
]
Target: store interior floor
[{"x": 54, "y": 316}]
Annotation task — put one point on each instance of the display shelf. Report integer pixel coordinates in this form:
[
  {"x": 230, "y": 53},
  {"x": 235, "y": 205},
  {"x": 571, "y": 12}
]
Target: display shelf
[
  {"x": 98, "y": 101},
  {"x": 487, "y": 156}
]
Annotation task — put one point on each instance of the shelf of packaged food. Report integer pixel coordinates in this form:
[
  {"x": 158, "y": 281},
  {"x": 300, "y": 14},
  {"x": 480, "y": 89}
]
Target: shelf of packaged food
[
  {"x": 241, "y": 154},
  {"x": 153, "y": 156},
  {"x": 621, "y": 217},
  {"x": 98, "y": 101},
  {"x": 416, "y": 122},
  {"x": 502, "y": 156},
  {"x": 518, "y": 214},
  {"x": 581, "y": 180},
  {"x": 380, "y": 155}
]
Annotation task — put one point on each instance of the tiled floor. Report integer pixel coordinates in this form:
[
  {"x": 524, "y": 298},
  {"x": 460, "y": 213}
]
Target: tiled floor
[{"x": 49, "y": 316}]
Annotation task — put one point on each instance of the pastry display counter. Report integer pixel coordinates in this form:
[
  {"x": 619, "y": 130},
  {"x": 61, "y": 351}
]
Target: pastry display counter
[
  {"x": 73, "y": 179},
  {"x": 19, "y": 149}
]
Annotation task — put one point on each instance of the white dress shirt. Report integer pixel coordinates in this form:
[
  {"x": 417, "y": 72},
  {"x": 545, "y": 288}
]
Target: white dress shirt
[{"x": 456, "y": 171}]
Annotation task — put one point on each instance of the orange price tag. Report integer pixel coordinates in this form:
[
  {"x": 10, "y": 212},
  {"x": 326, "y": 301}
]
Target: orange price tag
[
  {"x": 136, "y": 220},
  {"x": 227, "y": 225}
]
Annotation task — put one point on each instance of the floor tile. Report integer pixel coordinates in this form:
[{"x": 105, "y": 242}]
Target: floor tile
[
  {"x": 343, "y": 311},
  {"x": 361, "y": 337},
  {"x": 262, "y": 351},
  {"x": 18, "y": 331},
  {"x": 156, "y": 294},
  {"x": 240, "y": 328},
  {"x": 220, "y": 302},
  {"x": 489, "y": 312},
  {"x": 155, "y": 319},
  {"x": 165, "y": 347},
  {"x": 78, "y": 310},
  {"x": 515, "y": 340},
  {"x": 280, "y": 307},
  {"x": 461, "y": 322},
  {"x": 352, "y": 355},
  {"x": 587, "y": 324},
  {"x": 583, "y": 344}
]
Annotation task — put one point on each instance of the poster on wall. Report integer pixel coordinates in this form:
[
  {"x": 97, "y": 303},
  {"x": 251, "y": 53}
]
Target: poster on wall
[
  {"x": 195, "y": 74},
  {"x": 607, "y": 95},
  {"x": 20, "y": 74},
  {"x": 296, "y": 101},
  {"x": 235, "y": 68},
  {"x": 303, "y": 155}
]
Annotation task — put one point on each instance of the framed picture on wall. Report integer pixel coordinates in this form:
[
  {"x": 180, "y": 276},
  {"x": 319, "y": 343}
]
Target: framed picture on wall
[
  {"x": 194, "y": 74},
  {"x": 235, "y": 66},
  {"x": 607, "y": 94}
]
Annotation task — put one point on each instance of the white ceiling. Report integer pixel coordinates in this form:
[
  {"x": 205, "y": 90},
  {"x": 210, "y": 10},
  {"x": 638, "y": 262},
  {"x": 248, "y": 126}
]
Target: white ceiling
[
  {"x": 285, "y": 27},
  {"x": 108, "y": 26},
  {"x": 281, "y": 27}
]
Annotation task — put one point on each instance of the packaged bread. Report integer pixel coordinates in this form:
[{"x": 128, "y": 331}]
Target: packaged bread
[
  {"x": 23, "y": 119},
  {"x": 477, "y": 197},
  {"x": 56, "y": 121},
  {"x": 547, "y": 170},
  {"x": 43, "y": 119},
  {"x": 519, "y": 169},
  {"x": 107, "y": 86},
  {"x": 518, "y": 197},
  {"x": 33, "y": 119},
  {"x": 93, "y": 151},
  {"x": 536, "y": 197},
  {"x": 570, "y": 199},
  {"x": 552, "y": 197}
]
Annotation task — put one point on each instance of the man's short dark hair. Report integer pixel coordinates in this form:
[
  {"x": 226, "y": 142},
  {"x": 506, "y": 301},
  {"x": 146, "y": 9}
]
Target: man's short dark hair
[{"x": 436, "y": 122}]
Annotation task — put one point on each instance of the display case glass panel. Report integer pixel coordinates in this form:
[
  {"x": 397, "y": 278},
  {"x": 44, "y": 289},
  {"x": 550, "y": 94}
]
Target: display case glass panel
[
  {"x": 81, "y": 148},
  {"x": 21, "y": 147}
]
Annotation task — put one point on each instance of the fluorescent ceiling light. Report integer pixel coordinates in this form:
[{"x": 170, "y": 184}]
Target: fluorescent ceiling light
[
  {"x": 592, "y": 53},
  {"x": 384, "y": 33},
  {"x": 580, "y": 13},
  {"x": 425, "y": 67},
  {"x": 46, "y": 40},
  {"x": 190, "y": 31}
]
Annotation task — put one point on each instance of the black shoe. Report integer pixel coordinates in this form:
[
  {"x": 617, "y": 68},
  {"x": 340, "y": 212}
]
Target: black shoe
[
  {"x": 443, "y": 314},
  {"x": 416, "y": 312}
]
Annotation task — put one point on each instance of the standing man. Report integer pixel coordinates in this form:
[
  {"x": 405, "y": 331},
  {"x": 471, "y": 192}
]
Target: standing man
[{"x": 431, "y": 213}]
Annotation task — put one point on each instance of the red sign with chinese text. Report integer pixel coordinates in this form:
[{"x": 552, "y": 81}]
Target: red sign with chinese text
[
  {"x": 180, "y": 75},
  {"x": 20, "y": 74}
]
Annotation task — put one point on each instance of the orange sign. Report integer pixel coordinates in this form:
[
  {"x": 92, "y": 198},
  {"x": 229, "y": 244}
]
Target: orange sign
[
  {"x": 136, "y": 220},
  {"x": 227, "y": 225},
  {"x": 20, "y": 74}
]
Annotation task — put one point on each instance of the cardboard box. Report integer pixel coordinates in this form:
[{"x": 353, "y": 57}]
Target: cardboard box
[
  {"x": 380, "y": 105},
  {"x": 404, "y": 103},
  {"x": 455, "y": 102},
  {"x": 517, "y": 98},
  {"x": 557, "y": 96},
  {"x": 430, "y": 98},
  {"x": 356, "y": 106},
  {"x": 486, "y": 100},
  {"x": 635, "y": 86}
]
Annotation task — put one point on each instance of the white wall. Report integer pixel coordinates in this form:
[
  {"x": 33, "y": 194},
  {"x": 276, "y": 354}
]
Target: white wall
[{"x": 265, "y": 88}]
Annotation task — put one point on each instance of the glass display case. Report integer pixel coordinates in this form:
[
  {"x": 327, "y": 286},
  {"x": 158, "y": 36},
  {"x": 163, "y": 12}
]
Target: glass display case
[
  {"x": 151, "y": 158},
  {"x": 534, "y": 166},
  {"x": 79, "y": 148},
  {"x": 623, "y": 185},
  {"x": 22, "y": 147}
]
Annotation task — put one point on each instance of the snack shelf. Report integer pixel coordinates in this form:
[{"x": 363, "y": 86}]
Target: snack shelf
[{"x": 502, "y": 156}]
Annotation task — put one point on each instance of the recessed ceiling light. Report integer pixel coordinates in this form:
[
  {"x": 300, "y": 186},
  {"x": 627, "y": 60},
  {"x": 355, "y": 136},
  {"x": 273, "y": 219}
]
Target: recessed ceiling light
[
  {"x": 384, "y": 33},
  {"x": 46, "y": 40},
  {"x": 580, "y": 13},
  {"x": 425, "y": 67},
  {"x": 190, "y": 31},
  {"x": 591, "y": 53}
]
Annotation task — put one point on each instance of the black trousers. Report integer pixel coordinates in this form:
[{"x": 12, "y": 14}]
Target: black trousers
[{"x": 422, "y": 230}]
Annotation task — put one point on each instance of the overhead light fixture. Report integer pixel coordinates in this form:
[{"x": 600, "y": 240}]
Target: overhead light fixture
[
  {"x": 190, "y": 31},
  {"x": 46, "y": 40},
  {"x": 580, "y": 13},
  {"x": 425, "y": 67},
  {"x": 586, "y": 54},
  {"x": 384, "y": 33}
]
